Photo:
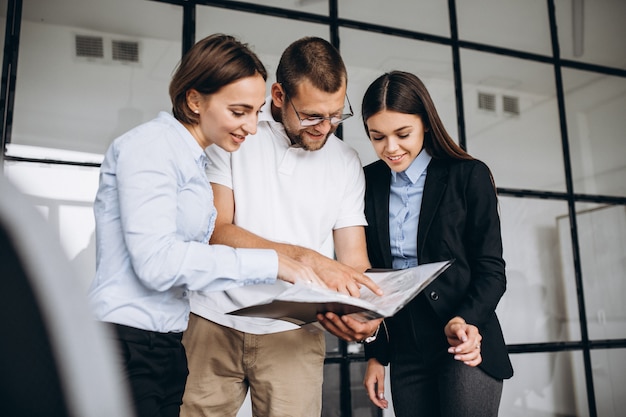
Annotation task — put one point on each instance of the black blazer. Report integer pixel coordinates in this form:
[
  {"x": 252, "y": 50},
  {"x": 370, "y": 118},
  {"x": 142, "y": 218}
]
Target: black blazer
[{"x": 458, "y": 220}]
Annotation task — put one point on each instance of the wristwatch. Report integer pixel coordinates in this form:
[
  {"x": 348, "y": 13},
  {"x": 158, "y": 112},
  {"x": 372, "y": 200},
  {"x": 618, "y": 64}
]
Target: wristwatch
[{"x": 371, "y": 338}]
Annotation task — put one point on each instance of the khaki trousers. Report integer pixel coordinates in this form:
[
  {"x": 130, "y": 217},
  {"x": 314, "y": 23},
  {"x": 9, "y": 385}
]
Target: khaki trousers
[{"x": 284, "y": 371}]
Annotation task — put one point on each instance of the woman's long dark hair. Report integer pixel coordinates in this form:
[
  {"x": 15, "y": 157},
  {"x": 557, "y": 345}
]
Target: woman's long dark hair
[{"x": 404, "y": 92}]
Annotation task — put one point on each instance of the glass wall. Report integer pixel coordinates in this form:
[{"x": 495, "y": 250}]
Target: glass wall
[
  {"x": 595, "y": 106},
  {"x": 73, "y": 92},
  {"x": 265, "y": 43},
  {"x": 523, "y": 120},
  {"x": 536, "y": 89}
]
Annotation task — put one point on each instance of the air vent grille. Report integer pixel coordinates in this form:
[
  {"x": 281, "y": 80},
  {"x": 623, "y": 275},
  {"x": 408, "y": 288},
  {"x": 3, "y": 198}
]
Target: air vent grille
[
  {"x": 510, "y": 105},
  {"x": 487, "y": 102},
  {"x": 89, "y": 46},
  {"x": 125, "y": 51}
]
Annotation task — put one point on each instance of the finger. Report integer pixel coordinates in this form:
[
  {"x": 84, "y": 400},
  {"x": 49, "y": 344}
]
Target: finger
[
  {"x": 343, "y": 289},
  {"x": 461, "y": 334},
  {"x": 361, "y": 329},
  {"x": 462, "y": 348},
  {"x": 312, "y": 278},
  {"x": 330, "y": 320},
  {"x": 358, "y": 325},
  {"x": 335, "y": 325},
  {"x": 338, "y": 322},
  {"x": 370, "y": 387},
  {"x": 376, "y": 396},
  {"x": 380, "y": 390},
  {"x": 369, "y": 283},
  {"x": 468, "y": 357},
  {"x": 331, "y": 328},
  {"x": 474, "y": 362},
  {"x": 469, "y": 346},
  {"x": 379, "y": 402},
  {"x": 309, "y": 277},
  {"x": 353, "y": 289}
]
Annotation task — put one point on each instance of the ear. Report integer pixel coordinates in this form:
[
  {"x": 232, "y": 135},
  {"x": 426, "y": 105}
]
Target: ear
[
  {"x": 194, "y": 98},
  {"x": 278, "y": 95}
]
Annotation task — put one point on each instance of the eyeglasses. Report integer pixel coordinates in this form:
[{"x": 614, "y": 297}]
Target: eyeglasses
[{"x": 315, "y": 120}]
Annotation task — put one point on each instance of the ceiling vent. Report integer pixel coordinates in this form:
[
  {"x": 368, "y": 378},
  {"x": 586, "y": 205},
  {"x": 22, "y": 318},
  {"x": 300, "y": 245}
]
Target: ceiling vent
[
  {"x": 125, "y": 51},
  {"x": 510, "y": 105},
  {"x": 487, "y": 102},
  {"x": 89, "y": 46}
]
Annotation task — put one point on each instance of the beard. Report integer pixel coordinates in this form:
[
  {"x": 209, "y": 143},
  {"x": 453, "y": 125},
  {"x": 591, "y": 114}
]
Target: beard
[{"x": 298, "y": 140}]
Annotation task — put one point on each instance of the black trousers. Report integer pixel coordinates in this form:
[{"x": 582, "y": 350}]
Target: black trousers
[
  {"x": 451, "y": 389},
  {"x": 426, "y": 381},
  {"x": 156, "y": 369}
]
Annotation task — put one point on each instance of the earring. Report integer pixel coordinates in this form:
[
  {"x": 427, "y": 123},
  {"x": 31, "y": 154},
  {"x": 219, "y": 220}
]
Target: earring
[{"x": 196, "y": 111}]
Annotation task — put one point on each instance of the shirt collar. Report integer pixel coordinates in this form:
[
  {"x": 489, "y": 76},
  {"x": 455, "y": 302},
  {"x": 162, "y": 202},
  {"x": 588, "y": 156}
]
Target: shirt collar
[
  {"x": 188, "y": 139},
  {"x": 417, "y": 167}
]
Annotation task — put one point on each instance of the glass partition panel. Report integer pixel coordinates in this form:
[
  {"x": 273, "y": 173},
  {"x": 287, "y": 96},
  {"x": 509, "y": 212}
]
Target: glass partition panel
[
  {"x": 520, "y": 25},
  {"x": 90, "y": 70},
  {"x": 361, "y": 404},
  {"x": 426, "y": 16},
  {"x": 602, "y": 244},
  {"x": 512, "y": 120},
  {"x": 546, "y": 385},
  {"x": 331, "y": 402},
  {"x": 431, "y": 62},
  {"x": 332, "y": 344},
  {"x": 309, "y": 6},
  {"x": 596, "y": 122},
  {"x": 592, "y": 31},
  {"x": 609, "y": 379},
  {"x": 253, "y": 30},
  {"x": 537, "y": 306}
]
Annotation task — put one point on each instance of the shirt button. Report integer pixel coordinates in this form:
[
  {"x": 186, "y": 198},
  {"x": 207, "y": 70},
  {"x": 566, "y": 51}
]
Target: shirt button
[{"x": 434, "y": 296}]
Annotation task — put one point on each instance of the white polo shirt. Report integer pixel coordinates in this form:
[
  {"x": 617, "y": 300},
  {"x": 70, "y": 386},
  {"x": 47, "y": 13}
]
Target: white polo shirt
[{"x": 283, "y": 194}]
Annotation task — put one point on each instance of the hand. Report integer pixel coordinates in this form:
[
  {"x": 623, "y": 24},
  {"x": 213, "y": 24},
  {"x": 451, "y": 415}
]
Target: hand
[
  {"x": 293, "y": 271},
  {"x": 339, "y": 277},
  {"x": 348, "y": 328},
  {"x": 374, "y": 382},
  {"x": 464, "y": 340}
]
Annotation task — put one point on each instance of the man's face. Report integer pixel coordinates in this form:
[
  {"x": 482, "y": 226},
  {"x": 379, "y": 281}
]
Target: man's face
[{"x": 310, "y": 102}]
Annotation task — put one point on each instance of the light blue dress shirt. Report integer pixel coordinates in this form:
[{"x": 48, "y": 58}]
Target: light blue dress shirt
[
  {"x": 405, "y": 202},
  {"x": 154, "y": 217}
]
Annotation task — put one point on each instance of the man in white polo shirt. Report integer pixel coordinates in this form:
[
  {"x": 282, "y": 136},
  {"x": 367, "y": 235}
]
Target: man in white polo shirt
[{"x": 296, "y": 188}]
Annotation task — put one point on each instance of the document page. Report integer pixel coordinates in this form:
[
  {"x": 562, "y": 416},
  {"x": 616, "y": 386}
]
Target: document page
[{"x": 300, "y": 303}]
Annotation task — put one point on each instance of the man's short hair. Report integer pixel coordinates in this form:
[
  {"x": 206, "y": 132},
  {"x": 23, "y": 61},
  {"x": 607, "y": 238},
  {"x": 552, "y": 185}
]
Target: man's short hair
[{"x": 313, "y": 59}]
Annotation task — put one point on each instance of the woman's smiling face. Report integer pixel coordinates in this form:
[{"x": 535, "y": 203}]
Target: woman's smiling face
[{"x": 397, "y": 138}]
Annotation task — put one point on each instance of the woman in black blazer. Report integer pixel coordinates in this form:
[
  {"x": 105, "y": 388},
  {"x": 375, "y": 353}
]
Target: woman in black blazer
[{"x": 427, "y": 200}]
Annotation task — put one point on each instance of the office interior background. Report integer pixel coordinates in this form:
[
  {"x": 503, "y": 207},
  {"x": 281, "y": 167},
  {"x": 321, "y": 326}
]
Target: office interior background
[{"x": 535, "y": 88}]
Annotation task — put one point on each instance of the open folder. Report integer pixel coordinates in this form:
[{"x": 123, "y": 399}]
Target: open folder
[{"x": 300, "y": 303}]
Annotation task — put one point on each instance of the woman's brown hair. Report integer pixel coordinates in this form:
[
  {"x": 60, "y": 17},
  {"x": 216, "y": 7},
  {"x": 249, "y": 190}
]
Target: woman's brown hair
[{"x": 212, "y": 63}]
